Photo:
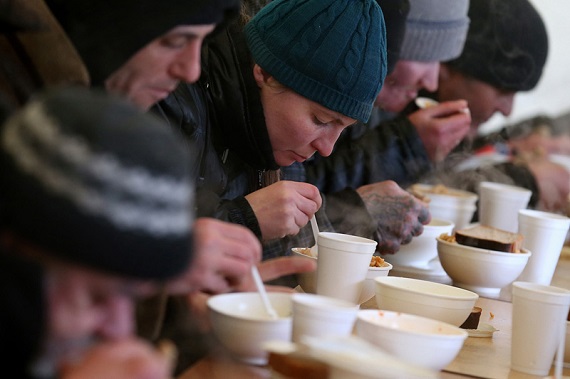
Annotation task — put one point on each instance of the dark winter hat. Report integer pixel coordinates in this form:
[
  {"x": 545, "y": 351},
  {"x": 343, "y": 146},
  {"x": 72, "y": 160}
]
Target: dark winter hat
[
  {"x": 507, "y": 44},
  {"x": 395, "y": 13},
  {"x": 93, "y": 181},
  {"x": 109, "y": 32},
  {"x": 330, "y": 51},
  {"x": 16, "y": 15},
  {"x": 435, "y": 30}
]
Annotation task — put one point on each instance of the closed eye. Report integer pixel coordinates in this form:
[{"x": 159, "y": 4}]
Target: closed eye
[{"x": 316, "y": 121}]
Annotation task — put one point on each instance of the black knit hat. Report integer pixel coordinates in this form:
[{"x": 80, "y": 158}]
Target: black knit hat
[
  {"x": 16, "y": 15},
  {"x": 395, "y": 13},
  {"x": 93, "y": 181},
  {"x": 107, "y": 33},
  {"x": 507, "y": 44}
]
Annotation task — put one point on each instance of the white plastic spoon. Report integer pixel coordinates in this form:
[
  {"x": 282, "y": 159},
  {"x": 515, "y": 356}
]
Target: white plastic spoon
[
  {"x": 261, "y": 289},
  {"x": 315, "y": 226}
]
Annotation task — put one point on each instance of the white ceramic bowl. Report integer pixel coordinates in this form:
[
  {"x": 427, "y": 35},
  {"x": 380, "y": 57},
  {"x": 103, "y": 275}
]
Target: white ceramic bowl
[
  {"x": 242, "y": 326},
  {"x": 437, "y": 301},
  {"x": 454, "y": 205},
  {"x": 480, "y": 270},
  {"x": 308, "y": 280},
  {"x": 419, "y": 340},
  {"x": 369, "y": 286},
  {"x": 423, "y": 248}
]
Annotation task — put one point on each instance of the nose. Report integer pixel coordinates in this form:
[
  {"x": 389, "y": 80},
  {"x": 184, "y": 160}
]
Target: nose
[
  {"x": 505, "y": 105},
  {"x": 117, "y": 319},
  {"x": 430, "y": 79},
  {"x": 186, "y": 66},
  {"x": 325, "y": 144}
]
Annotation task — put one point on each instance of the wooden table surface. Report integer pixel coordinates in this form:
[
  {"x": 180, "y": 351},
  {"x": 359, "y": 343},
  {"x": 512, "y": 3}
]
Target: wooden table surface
[{"x": 479, "y": 357}]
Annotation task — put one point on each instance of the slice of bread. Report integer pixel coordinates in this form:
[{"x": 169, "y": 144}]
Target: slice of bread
[{"x": 486, "y": 237}]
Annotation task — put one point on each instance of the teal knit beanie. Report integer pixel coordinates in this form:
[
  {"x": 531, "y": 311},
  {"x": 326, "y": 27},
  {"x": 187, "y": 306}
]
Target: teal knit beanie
[{"x": 332, "y": 52}]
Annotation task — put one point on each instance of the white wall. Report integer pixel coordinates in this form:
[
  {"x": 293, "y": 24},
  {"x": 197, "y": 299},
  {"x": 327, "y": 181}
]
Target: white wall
[{"x": 552, "y": 95}]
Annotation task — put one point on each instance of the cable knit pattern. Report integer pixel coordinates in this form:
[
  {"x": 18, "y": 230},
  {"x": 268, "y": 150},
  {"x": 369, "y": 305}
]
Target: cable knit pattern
[{"x": 330, "y": 51}]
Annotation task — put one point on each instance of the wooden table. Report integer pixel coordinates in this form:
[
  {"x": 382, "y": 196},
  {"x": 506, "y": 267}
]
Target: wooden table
[{"x": 479, "y": 357}]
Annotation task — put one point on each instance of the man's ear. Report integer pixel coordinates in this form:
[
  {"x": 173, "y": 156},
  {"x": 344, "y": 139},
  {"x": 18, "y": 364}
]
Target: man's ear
[{"x": 260, "y": 75}]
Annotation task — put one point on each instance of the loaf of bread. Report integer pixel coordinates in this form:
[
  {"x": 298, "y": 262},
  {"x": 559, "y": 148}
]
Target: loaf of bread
[{"x": 486, "y": 237}]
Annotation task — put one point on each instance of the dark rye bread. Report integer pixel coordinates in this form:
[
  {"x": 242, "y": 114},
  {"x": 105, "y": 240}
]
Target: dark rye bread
[{"x": 486, "y": 237}]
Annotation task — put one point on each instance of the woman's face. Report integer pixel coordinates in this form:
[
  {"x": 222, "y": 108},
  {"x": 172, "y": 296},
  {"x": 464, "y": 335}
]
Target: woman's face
[{"x": 297, "y": 126}]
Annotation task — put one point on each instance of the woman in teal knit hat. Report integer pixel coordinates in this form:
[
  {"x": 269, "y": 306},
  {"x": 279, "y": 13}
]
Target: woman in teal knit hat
[{"x": 273, "y": 94}]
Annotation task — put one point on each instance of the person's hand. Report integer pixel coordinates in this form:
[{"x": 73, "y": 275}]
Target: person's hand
[
  {"x": 268, "y": 270},
  {"x": 399, "y": 215},
  {"x": 277, "y": 267},
  {"x": 124, "y": 359},
  {"x": 284, "y": 207},
  {"x": 442, "y": 127},
  {"x": 223, "y": 256},
  {"x": 553, "y": 182}
]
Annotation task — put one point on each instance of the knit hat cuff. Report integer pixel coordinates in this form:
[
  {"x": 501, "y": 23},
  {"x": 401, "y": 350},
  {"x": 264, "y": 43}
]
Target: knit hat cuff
[
  {"x": 431, "y": 42},
  {"x": 308, "y": 87}
]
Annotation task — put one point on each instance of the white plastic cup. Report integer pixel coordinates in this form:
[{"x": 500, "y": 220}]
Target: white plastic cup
[
  {"x": 342, "y": 265},
  {"x": 319, "y": 316},
  {"x": 544, "y": 235},
  {"x": 499, "y": 205},
  {"x": 539, "y": 316}
]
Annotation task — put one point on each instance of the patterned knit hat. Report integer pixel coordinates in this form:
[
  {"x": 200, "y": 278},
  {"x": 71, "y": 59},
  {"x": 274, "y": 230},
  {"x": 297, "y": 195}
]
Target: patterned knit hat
[
  {"x": 435, "y": 30},
  {"x": 107, "y": 33},
  {"x": 507, "y": 44},
  {"x": 93, "y": 181},
  {"x": 332, "y": 52}
]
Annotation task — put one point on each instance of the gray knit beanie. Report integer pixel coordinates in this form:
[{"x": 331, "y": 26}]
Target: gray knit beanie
[
  {"x": 332, "y": 52},
  {"x": 435, "y": 30},
  {"x": 93, "y": 181}
]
